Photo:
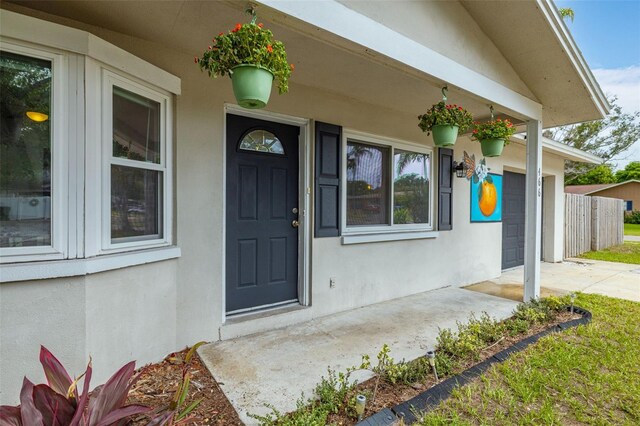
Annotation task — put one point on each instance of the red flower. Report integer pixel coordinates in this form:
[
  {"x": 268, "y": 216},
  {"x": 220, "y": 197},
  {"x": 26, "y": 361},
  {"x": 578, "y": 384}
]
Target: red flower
[
  {"x": 448, "y": 106},
  {"x": 195, "y": 59},
  {"x": 475, "y": 131},
  {"x": 293, "y": 67},
  {"x": 460, "y": 108},
  {"x": 260, "y": 25},
  {"x": 210, "y": 47},
  {"x": 269, "y": 48},
  {"x": 221, "y": 34},
  {"x": 237, "y": 28}
]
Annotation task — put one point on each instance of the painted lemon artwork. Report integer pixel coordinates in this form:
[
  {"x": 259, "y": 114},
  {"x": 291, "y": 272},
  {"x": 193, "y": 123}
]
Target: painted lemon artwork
[{"x": 488, "y": 198}]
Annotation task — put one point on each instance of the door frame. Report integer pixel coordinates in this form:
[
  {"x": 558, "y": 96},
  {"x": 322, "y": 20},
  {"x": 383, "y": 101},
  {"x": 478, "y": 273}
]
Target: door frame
[{"x": 304, "y": 195}]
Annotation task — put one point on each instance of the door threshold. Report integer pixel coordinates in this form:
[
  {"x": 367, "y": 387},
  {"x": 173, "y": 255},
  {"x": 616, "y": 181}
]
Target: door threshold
[
  {"x": 265, "y": 320},
  {"x": 263, "y": 311}
]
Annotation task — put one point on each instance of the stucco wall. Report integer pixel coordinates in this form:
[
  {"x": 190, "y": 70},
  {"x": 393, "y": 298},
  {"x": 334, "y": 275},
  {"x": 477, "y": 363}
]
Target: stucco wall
[
  {"x": 113, "y": 317},
  {"x": 145, "y": 312}
]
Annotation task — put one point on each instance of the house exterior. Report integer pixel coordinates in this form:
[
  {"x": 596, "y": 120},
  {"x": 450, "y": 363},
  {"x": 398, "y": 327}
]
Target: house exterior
[
  {"x": 629, "y": 191},
  {"x": 146, "y": 223}
]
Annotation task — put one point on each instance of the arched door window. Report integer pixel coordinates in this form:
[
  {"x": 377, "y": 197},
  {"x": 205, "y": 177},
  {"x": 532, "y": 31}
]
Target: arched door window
[{"x": 262, "y": 141}]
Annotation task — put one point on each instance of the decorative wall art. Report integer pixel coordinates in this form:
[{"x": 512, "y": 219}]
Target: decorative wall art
[{"x": 486, "y": 191}]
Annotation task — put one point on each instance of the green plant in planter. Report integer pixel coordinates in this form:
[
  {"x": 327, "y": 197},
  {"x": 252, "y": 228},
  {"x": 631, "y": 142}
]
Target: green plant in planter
[
  {"x": 445, "y": 121},
  {"x": 248, "y": 49},
  {"x": 493, "y": 136}
]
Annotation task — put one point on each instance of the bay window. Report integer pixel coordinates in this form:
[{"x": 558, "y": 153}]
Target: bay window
[{"x": 85, "y": 154}]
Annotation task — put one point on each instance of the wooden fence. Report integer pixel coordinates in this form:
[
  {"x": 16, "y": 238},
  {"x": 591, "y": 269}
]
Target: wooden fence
[{"x": 591, "y": 223}]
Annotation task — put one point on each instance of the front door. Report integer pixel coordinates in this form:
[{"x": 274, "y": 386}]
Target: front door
[{"x": 262, "y": 214}]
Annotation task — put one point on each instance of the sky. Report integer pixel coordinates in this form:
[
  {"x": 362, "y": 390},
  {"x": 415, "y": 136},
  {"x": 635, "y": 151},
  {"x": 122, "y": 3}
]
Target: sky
[{"x": 608, "y": 34}]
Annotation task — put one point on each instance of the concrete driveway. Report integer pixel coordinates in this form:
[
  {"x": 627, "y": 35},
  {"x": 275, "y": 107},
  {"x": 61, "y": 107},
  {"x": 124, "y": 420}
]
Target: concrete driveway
[
  {"x": 613, "y": 279},
  {"x": 275, "y": 367}
]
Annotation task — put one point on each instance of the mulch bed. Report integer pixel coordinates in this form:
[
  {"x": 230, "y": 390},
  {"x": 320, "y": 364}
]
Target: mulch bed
[
  {"x": 390, "y": 395},
  {"x": 158, "y": 382}
]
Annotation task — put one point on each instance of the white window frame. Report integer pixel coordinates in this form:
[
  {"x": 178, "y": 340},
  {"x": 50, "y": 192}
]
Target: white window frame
[
  {"x": 59, "y": 157},
  {"x": 109, "y": 79},
  {"x": 419, "y": 229},
  {"x": 78, "y": 60}
]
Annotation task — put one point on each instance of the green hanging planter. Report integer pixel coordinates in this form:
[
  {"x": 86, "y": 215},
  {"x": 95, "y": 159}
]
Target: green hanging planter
[
  {"x": 492, "y": 147},
  {"x": 444, "y": 135},
  {"x": 251, "y": 85}
]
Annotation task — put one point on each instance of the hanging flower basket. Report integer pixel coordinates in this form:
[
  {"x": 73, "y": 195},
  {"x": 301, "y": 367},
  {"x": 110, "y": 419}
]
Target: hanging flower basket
[
  {"x": 251, "y": 85},
  {"x": 493, "y": 135},
  {"x": 252, "y": 58},
  {"x": 445, "y": 121},
  {"x": 444, "y": 135},
  {"x": 492, "y": 147}
]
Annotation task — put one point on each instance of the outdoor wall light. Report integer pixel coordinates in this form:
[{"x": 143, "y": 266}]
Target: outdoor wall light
[
  {"x": 460, "y": 168},
  {"x": 361, "y": 401},
  {"x": 431, "y": 356}
]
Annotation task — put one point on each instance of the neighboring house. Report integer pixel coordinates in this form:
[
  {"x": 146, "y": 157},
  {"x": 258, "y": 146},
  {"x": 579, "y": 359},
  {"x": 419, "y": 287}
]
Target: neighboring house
[
  {"x": 629, "y": 191},
  {"x": 154, "y": 227}
]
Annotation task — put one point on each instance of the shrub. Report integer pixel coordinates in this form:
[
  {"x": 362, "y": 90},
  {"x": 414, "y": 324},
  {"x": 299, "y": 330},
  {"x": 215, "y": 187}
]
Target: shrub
[
  {"x": 633, "y": 217},
  {"x": 59, "y": 403}
]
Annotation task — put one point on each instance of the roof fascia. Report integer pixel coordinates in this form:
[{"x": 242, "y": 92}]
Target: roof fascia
[
  {"x": 612, "y": 186},
  {"x": 562, "y": 150},
  {"x": 351, "y": 26},
  {"x": 556, "y": 22}
]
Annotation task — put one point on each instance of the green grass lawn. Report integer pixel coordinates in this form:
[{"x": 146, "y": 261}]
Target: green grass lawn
[
  {"x": 631, "y": 229},
  {"x": 628, "y": 252},
  {"x": 585, "y": 375}
]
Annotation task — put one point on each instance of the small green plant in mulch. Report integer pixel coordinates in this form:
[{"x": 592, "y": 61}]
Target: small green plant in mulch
[
  {"x": 336, "y": 392},
  {"x": 628, "y": 252},
  {"x": 585, "y": 375}
]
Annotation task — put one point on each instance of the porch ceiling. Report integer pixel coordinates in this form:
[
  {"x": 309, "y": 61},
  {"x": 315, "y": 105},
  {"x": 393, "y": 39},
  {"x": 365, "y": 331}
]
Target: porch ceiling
[
  {"x": 544, "y": 55},
  {"x": 323, "y": 62}
]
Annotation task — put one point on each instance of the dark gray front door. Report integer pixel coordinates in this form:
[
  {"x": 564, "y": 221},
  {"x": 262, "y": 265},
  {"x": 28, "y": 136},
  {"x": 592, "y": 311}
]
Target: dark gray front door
[
  {"x": 262, "y": 205},
  {"x": 513, "y": 206}
]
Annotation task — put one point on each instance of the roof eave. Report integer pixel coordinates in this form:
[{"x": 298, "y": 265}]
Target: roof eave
[
  {"x": 562, "y": 150},
  {"x": 611, "y": 186},
  {"x": 562, "y": 33}
]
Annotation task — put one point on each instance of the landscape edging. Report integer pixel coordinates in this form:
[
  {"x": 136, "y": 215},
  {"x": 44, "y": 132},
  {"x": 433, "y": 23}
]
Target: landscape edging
[{"x": 433, "y": 396}]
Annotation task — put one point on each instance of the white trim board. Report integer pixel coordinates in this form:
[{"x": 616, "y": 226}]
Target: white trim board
[
  {"x": 361, "y": 33},
  {"x": 78, "y": 267}
]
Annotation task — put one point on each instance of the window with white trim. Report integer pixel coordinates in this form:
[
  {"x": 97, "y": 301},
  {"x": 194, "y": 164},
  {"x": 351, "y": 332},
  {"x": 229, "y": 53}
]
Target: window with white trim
[
  {"x": 135, "y": 166},
  {"x": 85, "y": 154},
  {"x": 388, "y": 186},
  {"x": 32, "y": 175}
]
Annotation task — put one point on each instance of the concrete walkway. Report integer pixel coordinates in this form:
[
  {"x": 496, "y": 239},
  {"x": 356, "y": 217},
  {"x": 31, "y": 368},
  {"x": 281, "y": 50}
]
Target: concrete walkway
[
  {"x": 632, "y": 238},
  {"x": 275, "y": 367},
  {"x": 613, "y": 279}
]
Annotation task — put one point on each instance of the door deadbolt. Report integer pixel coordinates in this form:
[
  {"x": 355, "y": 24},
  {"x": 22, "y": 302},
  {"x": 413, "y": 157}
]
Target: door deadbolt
[{"x": 294, "y": 210}]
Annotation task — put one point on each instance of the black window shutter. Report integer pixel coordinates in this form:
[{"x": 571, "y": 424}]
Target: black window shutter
[
  {"x": 327, "y": 175},
  {"x": 445, "y": 189}
]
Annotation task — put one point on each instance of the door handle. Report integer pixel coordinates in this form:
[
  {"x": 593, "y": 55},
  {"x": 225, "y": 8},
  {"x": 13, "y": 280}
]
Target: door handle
[{"x": 295, "y": 223}]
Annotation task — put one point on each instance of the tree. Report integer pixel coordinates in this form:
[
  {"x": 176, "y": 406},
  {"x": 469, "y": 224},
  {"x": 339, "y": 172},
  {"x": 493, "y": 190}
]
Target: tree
[
  {"x": 567, "y": 12},
  {"x": 606, "y": 138},
  {"x": 630, "y": 172},
  {"x": 599, "y": 174}
]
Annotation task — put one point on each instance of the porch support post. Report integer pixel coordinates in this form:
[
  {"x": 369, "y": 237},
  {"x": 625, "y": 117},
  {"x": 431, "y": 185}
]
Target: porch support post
[{"x": 533, "y": 211}]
